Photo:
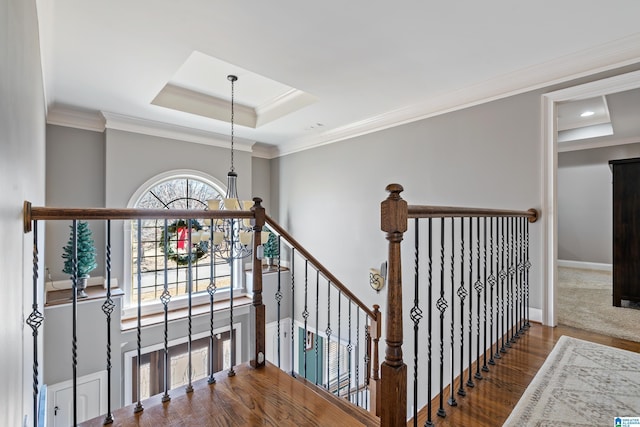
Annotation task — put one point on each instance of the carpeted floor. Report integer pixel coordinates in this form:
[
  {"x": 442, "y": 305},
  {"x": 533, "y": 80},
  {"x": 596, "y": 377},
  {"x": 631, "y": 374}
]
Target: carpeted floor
[
  {"x": 584, "y": 300},
  {"x": 581, "y": 384}
]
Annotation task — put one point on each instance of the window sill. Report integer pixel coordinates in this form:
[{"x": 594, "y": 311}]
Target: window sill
[
  {"x": 63, "y": 296},
  {"x": 131, "y": 323}
]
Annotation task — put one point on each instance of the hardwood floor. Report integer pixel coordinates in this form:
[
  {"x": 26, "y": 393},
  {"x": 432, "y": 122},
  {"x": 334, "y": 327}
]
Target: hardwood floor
[
  {"x": 490, "y": 402},
  {"x": 253, "y": 397},
  {"x": 271, "y": 397}
]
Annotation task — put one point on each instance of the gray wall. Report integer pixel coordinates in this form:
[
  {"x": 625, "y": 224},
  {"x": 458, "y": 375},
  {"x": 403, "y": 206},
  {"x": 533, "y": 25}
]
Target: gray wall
[
  {"x": 486, "y": 156},
  {"x": 22, "y": 163},
  {"x": 75, "y": 178},
  {"x": 585, "y": 202},
  {"x": 261, "y": 181}
]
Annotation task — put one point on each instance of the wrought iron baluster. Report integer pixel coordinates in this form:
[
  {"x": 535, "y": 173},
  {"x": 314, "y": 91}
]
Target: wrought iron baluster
[
  {"x": 503, "y": 276},
  {"x": 470, "y": 382},
  {"x": 211, "y": 289},
  {"x": 189, "y": 387},
  {"x": 442, "y": 306},
  {"x": 293, "y": 307},
  {"x": 74, "y": 319},
  {"x": 485, "y": 368},
  {"x": 317, "y": 322},
  {"x": 339, "y": 335},
  {"x": 328, "y": 331},
  {"x": 429, "y": 421},
  {"x": 509, "y": 281},
  {"x": 452, "y": 399},
  {"x": 357, "y": 355},
  {"x": 34, "y": 321},
  {"x": 478, "y": 287},
  {"x": 231, "y": 371},
  {"x": 138, "y": 407},
  {"x": 462, "y": 294},
  {"x": 349, "y": 350},
  {"x": 305, "y": 313},
  {"x": 416, "y": 315},
  {"x": 107, "y": 308},
  {"x": 492, "y": 284},
  {"x": 512, "y": 273},
  {"x": 518, "y": 279},
  {"x": 527, "y": 267},
  {"x": 521, "y": 269},
  {"x": 279, "y": 301}
]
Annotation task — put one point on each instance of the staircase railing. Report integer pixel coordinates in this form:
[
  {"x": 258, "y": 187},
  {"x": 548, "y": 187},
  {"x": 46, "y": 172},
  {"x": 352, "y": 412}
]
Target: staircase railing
[
  {"x": 340, "y": 319},
  {"x": 344, "y": 332},
  {"x": 480, "y": 256}
]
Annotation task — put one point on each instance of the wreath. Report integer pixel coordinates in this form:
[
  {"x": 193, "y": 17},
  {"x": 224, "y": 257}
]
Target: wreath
[{"x": 178, "y": 241}]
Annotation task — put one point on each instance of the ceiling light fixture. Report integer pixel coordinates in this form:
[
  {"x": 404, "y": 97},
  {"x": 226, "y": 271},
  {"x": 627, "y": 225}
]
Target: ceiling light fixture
[
  {"x": 231, "y": 237},
  {"x": 587, "y": 114}
]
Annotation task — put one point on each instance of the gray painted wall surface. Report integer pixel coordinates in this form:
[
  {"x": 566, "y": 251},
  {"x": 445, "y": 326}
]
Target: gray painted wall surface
[
  {"x": 22, "y": 165},
  {"x": 91, "y": 339},
  {"x": 261, "y": 181},
  {"x": 585, "y": 202},
  {"x": 75, "y": 178}
]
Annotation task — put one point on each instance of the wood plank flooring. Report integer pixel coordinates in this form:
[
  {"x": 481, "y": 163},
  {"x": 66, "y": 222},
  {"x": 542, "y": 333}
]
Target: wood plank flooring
[
  {"x": 271, "y": 397},
  {"x": 492, "y": 399},
  {"x": 253, "y": 397}
]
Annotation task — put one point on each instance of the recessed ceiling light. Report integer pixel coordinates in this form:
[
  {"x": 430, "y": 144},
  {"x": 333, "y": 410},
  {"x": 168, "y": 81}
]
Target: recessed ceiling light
[{"x": 587, "y": 114}]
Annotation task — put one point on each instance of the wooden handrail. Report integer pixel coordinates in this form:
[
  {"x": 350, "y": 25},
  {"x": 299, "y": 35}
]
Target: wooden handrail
[
  {"x": 416, "y": 211},
  {"x": 324, "y": 271},
  {"x": 31, "y": 213}
]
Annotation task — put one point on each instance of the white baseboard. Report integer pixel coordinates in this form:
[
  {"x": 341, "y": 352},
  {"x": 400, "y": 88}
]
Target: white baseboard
[
  {"x": 585, "y": 265},
  {"x": 535, "y": 314}
]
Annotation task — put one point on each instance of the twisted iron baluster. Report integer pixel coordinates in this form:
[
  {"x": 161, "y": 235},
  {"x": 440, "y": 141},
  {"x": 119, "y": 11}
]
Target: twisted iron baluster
[
  {"x": 415, "y": 315},
  {"x": 357, "y": 355},
  {"x": 470, "y": 382},
  {"x": 521, "y": 269},
  {"x": 349, "y": 349},
  {"x": 211, "y": 289},
  {"x": 279, "y": 301},
  {"x": 503, "y": 276},
  {"x": 429, "y": 421},
  {"x": 339, "y": 335},
  {"x": 452, "y": 399},
  {"x": 478, "y": 287},
  {"x": 497, "y": 354},
  {"x": 231, "y": 371},
  {"x": 34, "y": 321},
  {"x": 485, "y": 368},
  {"x": 138, "y": 407},
  {"x": 512, "y": 272},
  {"x": 492, "y": 284},
  {"x": 317, "y": 322},
  {"x": 189, "y": 388},
  {"x": 107, "y": 308},
  {"x": 462, "y": 294},
  {"x": 74, "y": 319},
  {"x": 517, "y": 280},
  {"x": 328, "y": 330},
  {"x": 293, "y": 306},
  {"x": 527, "y": 267},
  {"x": 442, "y": 306},
  {"x": 305, "y": 313}
]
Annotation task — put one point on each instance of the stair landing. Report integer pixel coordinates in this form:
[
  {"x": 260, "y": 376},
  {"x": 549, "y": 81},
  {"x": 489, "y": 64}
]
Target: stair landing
[{"x": 253, "y": 397}]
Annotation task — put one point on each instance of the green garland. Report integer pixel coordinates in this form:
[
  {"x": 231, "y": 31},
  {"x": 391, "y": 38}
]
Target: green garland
[{"x": 199, "y": 250}]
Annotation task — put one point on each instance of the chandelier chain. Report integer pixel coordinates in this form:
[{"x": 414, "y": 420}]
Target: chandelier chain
[{"x": 233, "y": 79}]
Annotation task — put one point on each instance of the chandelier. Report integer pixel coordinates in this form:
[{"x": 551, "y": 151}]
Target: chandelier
[{"x": 231, "y": 238}]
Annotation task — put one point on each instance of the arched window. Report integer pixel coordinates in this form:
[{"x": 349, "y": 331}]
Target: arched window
[{"x": 171, "y": 238}]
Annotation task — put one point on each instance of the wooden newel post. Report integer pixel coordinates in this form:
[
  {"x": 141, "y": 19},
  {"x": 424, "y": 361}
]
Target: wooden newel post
[
  {"x": 258, "y": 309},
  {"x": 394, "y": 215}
]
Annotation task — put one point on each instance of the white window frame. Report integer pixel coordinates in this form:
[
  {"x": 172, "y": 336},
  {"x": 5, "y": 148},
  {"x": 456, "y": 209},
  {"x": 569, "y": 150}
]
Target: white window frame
[{"x": 130, "y": 307}]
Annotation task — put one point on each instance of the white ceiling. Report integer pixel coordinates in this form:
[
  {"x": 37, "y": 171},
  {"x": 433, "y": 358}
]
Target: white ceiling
[{"x": 367, "y": 65}]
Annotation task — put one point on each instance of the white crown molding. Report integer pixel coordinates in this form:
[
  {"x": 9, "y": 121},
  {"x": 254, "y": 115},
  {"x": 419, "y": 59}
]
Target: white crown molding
[
  {"x": 74, "y": 118},
  {"x": 286, "y": 103},
  {"x": 609, "y": 56},
  {"x": 587, "y": 144},
  {"x": 164, "y": 130},
  {"x": 265, "y": 151}
]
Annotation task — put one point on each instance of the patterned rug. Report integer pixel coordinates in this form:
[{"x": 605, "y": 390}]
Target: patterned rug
[{"x": 581, "y": 384}]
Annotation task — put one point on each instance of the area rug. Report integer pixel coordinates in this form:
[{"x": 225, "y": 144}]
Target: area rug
[{"x": 581, "y": 384}]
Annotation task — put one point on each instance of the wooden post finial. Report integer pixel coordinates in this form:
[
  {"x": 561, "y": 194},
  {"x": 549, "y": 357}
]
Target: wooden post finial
[{"x": 534, "y": 215}]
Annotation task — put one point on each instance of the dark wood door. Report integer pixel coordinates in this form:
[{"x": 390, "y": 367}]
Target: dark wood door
[{"x": 626, "y": 230}]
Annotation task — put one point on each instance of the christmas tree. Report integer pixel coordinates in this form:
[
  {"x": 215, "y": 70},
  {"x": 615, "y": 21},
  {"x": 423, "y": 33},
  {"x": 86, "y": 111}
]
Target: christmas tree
[
  {"x": 86, "y": 251},
  {"x": 271, "y": 249}
]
